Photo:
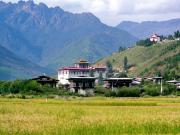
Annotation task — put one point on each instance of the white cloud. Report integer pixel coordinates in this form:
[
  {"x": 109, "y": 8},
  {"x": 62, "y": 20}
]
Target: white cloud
[{"x": 114, "y": 11}]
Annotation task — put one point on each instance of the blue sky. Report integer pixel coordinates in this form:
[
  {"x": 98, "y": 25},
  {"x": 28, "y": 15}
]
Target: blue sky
[{"x": 113, "y": 12}]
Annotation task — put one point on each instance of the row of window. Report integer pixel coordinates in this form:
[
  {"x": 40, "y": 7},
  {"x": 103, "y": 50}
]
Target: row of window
[
  {"x": 79, "y": 73},
  {"x": 75, "y": 72}
]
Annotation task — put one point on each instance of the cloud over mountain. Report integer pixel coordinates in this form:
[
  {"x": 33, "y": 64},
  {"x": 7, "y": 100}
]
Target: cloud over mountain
[{"x": 114, "y": 11}]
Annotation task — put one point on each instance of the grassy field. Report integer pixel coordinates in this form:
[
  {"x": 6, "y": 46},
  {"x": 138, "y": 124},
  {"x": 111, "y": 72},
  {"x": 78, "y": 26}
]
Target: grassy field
[{"x": 90, "y": 116}]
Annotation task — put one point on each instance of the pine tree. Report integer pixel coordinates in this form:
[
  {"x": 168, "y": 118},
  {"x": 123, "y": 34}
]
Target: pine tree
[
  {"x": 100, "y": 79},
  {"x": 125, "y": 63},
  {"x": 109, "y": 69}
]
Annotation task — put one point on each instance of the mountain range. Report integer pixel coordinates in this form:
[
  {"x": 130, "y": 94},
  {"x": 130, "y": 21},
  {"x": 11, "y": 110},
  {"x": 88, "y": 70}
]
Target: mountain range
[
  {"x": 147, "y": 28},
  {"x": 53, "y": 37},
  {"x": 14, "y": 67},
  {"x": 36, "y": 39}
]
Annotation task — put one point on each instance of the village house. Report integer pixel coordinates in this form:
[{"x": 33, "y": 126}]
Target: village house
[
  {"x": 81, "y": 68},
  {"x": 155, "y": 38},
  {"x": 157, "y": 80},
  {"x": 46, "y": 80},
  {"x": 82, "y": 85},
  {"x": 118, "y": 82},
  {"x": 174, "y": 82}
]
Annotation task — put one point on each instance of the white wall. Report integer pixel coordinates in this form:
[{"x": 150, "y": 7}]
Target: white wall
[{"x": 63, "y": 75}]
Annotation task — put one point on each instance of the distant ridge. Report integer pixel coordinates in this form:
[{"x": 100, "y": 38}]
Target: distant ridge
[
  {"x": 145, "y": 29},
  {"x": 53, "y": 37},
  {"x": 14, "y": 67}
]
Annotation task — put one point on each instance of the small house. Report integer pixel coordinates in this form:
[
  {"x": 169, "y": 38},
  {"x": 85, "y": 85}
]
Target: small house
[
  {"x": 157, "y": 80},
  {"x": 82, "y": 84},
  {"x": 155, "y": 38},
  {"x": 46, "y": 80},
  {"x": 174, "y": 82},
  {"x": 117, "y": 82}
]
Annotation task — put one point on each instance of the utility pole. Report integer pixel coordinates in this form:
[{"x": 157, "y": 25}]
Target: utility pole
[
  {"x": 112, "y": 86},
  {"x": 161, "y": 87}
]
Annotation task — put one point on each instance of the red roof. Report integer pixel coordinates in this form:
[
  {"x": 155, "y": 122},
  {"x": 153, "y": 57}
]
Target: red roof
[
  {"x": 74, "y": 68},
  {"x": 77, "y": 68}
]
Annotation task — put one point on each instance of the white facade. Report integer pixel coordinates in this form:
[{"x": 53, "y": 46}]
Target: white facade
[
  {"x": 155, "y": 38},
  {"x": 82, "y": 68},
  {"x": 64, "y": 74}
]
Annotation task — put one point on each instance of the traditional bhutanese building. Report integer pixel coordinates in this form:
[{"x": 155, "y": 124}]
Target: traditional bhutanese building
[
  {"x": 155, "y": 38},
  {"x": 46, "y": 80},
  {"x": 81, "y": 68}
]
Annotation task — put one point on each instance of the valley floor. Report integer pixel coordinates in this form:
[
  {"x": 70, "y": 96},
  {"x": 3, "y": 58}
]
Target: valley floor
[{"x": 90, "y": 116}]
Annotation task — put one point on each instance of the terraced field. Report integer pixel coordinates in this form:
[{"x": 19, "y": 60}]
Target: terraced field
[{"x": 90, "y": 116}]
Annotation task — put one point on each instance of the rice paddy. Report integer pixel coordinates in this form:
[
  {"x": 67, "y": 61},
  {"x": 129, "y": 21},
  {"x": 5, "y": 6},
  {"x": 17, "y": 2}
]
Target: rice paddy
[{"x": 90, "y": 116}]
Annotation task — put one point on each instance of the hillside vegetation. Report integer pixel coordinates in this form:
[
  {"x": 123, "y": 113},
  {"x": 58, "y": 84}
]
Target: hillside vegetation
[{"x": 162, "y": 57}]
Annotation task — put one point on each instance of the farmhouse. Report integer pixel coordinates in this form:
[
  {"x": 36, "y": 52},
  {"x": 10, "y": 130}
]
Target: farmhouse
[
  {"x": 157, "y": 80},
  {"x": 174, "y": 82},
  {"x": 117, "y": 82},
  {"x": 82, "y": 85},
  {"x": 46, "y": 80},
  {"x": 81, "y": 68}
]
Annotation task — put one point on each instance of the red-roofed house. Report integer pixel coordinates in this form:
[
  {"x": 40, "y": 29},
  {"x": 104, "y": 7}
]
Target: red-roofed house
[{"x": 155, "y": 38}]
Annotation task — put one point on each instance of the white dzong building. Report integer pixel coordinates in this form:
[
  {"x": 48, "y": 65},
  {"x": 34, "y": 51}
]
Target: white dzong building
[{"x": 81, "y": 69}]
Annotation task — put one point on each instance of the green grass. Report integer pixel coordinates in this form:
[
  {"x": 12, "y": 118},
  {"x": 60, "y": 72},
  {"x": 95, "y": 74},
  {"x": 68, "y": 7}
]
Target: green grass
[
  {"x": 90, "y": 116},
  {"x": 145, "y": 58}
]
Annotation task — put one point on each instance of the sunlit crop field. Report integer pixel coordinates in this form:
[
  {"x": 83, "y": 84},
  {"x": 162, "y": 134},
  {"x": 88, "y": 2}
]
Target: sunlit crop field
[{"x": 90, "y": 116}]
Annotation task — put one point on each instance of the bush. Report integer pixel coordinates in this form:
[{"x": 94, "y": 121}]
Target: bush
[
  {"x": 100, "y": 90},
  {"x": 110, "y": 93},
  {"x": 152, "y": 90},
  {"x": 4, "y": 87},
  {"x": 129, "y": 92},
  {"x": 169, "y": 89},
  {"x": 29, "y": 87},
  {"x": 145, "y": 42}
]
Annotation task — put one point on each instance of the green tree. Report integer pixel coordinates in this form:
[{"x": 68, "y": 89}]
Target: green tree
[
  {"x": 122, "y": 74},
  {"x": 177, "y": 34},
  {"x": 100, "y": 79},
  {"x": 125, "y": 61},
  {"x": 109, "y": 69},
  {"x": 145, "y": 43},
  {"x": 121, "y": 49},
  {"x": 158, "y": 73},
  {"x": 170, "y": 37}
]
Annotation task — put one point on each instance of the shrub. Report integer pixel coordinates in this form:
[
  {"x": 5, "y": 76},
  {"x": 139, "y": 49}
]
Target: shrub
[
  {"x": 129, "y": 92},
  {"x": 145, "y": 43},
  {"x": 100, "y": 90},
  {"x": 4, "y": 88},
  {"x": 169, "y": 89},
  {"x": 32, "y": 87},
  {"x": 110, "y": 93},
  {"x": 152, "y": 90},
  {"x": 25, "y": 87}
]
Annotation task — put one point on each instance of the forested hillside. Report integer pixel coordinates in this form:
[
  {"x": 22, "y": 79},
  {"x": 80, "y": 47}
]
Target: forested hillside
[{"x": 162, "y": 58}]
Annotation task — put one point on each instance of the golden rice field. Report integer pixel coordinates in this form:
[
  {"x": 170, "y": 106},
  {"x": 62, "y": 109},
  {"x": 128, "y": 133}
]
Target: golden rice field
[{"x": 90, "y": 116}]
